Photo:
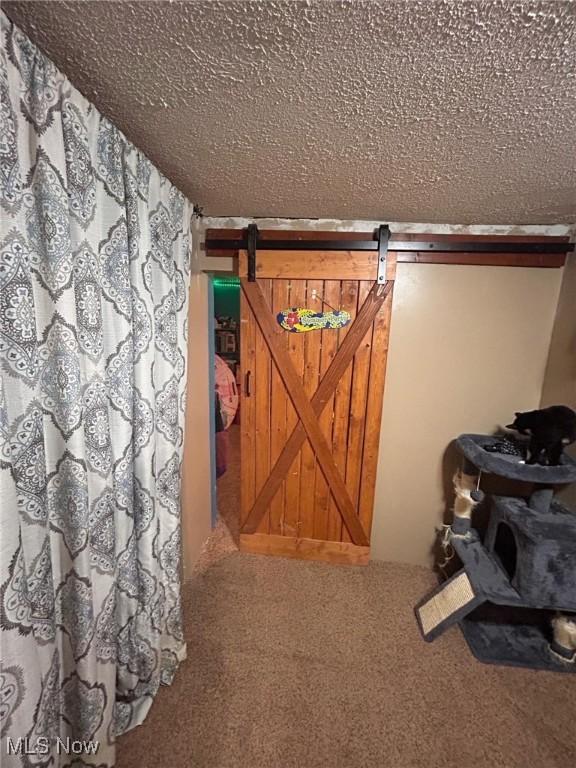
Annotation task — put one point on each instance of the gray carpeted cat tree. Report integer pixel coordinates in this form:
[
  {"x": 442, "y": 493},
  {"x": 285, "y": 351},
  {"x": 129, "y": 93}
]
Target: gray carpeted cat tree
[{"x": 515, "y": 595}]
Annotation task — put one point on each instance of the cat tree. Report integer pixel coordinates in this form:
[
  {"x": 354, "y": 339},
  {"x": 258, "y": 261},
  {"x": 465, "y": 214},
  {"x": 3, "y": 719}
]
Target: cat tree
[{"x": 517, "y": 577}]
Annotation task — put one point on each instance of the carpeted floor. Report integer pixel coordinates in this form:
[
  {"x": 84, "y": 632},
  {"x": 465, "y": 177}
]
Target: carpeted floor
[{"x": 305, "y": 665}]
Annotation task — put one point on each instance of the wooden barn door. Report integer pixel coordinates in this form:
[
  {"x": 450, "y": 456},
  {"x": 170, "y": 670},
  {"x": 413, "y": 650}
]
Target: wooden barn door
[{"x": 311, "y": 404}]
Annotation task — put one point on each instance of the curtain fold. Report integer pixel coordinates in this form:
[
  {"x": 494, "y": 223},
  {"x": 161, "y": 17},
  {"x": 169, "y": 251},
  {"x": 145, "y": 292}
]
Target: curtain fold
[{"x": 94, "y": 275}]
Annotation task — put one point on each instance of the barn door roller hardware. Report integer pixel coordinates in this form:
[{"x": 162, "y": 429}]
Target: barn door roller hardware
[
  {"x": 251, "y": 245},
  {"x": 383, "y": 240}
]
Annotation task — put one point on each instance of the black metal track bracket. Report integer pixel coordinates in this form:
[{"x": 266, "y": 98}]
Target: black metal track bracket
[
  {"x": 252, "y": 244},
  {"x": 383, "y": 239}
]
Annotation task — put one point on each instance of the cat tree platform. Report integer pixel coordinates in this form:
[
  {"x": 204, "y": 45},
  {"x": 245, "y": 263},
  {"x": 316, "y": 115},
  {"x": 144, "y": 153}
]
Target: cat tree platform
[
  {"x": 518, "y": 576},
  {"x": 473, "y": 448}
]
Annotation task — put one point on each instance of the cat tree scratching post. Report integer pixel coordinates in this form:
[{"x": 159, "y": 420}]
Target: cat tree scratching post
[{"x": 514, "y": 580}]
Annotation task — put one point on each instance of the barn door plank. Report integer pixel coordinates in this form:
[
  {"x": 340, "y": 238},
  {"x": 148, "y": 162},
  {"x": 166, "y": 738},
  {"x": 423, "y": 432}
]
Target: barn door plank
[
  {"x": 278, "y": 408},
  {"x": 358, "y": 401},
  {"x": 312, "y": 342},
  {"x": 329, "y": 346},
  {"x": 297, "y": 296},
  {"x": 349, "y": 303},
  {"x": 247, "y": 409},
  {"x": 316, "y": 265},
  {"x": 379, "y": 358},
  {"x": 262, "y": 410}
]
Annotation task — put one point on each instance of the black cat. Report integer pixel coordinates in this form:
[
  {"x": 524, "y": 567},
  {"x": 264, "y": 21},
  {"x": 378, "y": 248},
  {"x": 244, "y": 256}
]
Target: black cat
[{"x": 550, "y": 430}]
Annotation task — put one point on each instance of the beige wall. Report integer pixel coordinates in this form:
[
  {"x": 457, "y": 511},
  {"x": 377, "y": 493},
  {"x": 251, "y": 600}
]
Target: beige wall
[
  {"x": 196, "y": 476},
  {"x": 468, "y": 347},
  {"x": 560, "y": 379}
]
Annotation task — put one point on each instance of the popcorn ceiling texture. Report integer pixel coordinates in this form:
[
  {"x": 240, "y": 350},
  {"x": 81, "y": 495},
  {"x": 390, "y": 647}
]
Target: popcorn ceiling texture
[{"x": 430, "y": 110}]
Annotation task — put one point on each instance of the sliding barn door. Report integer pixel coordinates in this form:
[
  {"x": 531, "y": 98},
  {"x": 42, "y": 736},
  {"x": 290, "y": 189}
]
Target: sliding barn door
[{"x": 311, "y": 404}]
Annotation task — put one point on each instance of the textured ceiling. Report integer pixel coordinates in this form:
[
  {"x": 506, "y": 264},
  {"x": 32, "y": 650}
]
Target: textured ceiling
[{"x": 405, "y": 111}]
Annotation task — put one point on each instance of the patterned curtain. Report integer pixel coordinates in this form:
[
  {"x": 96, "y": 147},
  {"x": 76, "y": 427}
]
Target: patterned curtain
[{"x": 93, "y": 305}]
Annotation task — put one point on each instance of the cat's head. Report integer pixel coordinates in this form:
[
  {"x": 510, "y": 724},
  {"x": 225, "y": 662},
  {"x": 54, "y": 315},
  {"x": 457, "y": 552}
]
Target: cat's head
[{"x": 522, "y": 423}]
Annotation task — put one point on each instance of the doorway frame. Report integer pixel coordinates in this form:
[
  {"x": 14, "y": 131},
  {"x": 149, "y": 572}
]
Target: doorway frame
[{"x": 212, "y": 385}]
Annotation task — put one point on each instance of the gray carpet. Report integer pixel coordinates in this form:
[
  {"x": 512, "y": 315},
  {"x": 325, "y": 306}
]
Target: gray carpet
[{"x": 304, "y": 665}]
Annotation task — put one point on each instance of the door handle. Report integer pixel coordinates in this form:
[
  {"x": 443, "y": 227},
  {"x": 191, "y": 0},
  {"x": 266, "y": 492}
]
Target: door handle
[{"x": 247, "y": 391}]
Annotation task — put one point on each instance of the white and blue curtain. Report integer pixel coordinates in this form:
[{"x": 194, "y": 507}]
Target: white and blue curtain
[{"x": 93, "y": 303}]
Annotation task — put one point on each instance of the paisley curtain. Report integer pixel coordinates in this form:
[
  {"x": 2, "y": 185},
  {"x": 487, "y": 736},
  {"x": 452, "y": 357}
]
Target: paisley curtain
[{"x": 93, "y": 304}]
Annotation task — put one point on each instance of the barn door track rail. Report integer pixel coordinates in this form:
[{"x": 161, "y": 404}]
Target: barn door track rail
[{"x": 489, "y": 250}]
